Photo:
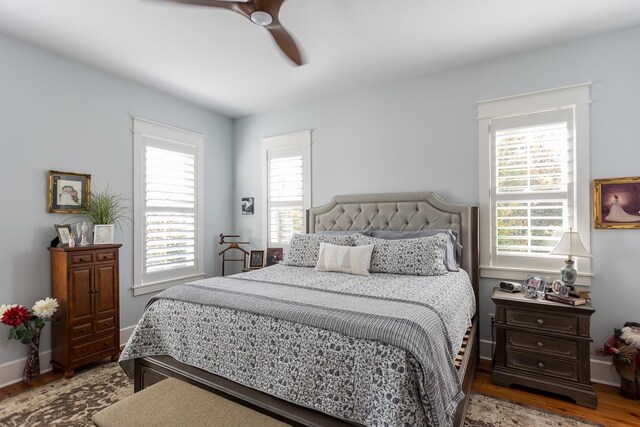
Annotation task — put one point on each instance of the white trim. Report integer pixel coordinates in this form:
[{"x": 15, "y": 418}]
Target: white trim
[
  {"x": 602, "y": 372},
  {"x": 149, "y": 288},
  {"x": 578, "y": 98},
  {"x": 303, "y": 140},
  {"x": 11, "y": 372},
  {"x": 142, "y": 129}
]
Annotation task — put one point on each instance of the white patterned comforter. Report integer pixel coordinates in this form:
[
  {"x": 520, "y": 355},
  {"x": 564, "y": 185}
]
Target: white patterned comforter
[{"x": 367, "y": 381}]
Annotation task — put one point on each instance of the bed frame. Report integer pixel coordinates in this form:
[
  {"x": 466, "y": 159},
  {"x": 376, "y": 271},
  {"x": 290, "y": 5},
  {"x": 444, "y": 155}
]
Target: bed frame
[{"x": 397, "y": 211}]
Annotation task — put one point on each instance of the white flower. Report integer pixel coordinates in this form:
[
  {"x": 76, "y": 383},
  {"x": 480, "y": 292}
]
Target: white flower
[
  {"x": 5, "y": 307},
  {"x": 45, "y": 308}
]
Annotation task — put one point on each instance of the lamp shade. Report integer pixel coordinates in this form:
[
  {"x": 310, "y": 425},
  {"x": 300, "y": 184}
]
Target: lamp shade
[{"x": 571, "y": 245}]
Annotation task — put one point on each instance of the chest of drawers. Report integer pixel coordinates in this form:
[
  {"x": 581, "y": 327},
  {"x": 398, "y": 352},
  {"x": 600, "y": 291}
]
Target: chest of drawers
[{"x": 543, "y": 345}]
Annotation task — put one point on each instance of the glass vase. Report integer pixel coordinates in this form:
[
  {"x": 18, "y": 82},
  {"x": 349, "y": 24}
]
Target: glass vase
[{"x": 32, "y": 367}]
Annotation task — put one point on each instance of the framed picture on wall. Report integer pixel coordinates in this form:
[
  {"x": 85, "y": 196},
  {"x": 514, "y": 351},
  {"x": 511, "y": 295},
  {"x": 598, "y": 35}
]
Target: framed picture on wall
[
  {"x": 69, "y": 192},
  {"x": 247, "y": 206},
  {"x": 616, "y": 202}
]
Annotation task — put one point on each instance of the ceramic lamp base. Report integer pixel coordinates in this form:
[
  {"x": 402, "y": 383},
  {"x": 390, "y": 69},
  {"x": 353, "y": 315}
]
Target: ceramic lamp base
[{"x": 568, "y": 273}]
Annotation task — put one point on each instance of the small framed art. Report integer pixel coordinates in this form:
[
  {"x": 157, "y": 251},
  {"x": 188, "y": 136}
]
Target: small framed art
[
  {"x": 616, "y": 202},
  {"x": 256, "y": 259},
  {"x": 64, "y": 233},
  {"x": 103, "y": 234},
  {"x": 247, "y": 205},
  {"x": 274, "y": 256},
  {"x": 68, "y": 192}
]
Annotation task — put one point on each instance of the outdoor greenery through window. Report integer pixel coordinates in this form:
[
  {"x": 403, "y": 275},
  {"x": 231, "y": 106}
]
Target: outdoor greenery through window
[{"x": 532, "y": 177}]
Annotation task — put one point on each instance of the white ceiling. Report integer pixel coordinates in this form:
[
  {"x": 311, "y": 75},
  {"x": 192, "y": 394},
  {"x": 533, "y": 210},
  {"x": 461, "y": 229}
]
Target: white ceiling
[{"x": 222, "y": 61}]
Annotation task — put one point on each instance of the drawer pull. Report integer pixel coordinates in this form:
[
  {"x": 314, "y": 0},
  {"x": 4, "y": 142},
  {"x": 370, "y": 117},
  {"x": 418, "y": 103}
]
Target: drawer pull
[
  {"x": 106, "y": 324},
  {"x": 540, "y": 344},
  {"x": 84, "y": 350},
  {"x": 540, "y": 322},
  {"x": 540, "y": 365},
  {"x": 106, "y": 343},
  {"x": 82, "y": 331}
]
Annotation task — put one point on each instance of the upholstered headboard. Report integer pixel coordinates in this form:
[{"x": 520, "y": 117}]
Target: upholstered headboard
[{"x": 402, "y": 212}]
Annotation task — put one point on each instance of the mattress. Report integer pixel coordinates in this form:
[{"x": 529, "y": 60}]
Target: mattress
[{"x": 333, "y": 342}]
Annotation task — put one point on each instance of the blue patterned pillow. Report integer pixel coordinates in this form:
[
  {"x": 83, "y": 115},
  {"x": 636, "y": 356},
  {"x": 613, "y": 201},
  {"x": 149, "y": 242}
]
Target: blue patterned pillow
[
  {"x": 419, "y": 257},
  {"x": 305, "y": 248}
]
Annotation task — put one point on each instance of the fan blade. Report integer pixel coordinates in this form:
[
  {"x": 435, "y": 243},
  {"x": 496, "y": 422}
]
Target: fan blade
[
  {"x": 286, "y": 43},
  {"x": 243, "y": 8}
]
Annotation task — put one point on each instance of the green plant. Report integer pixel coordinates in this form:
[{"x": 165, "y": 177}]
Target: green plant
[{"x": 107, "y": 207}]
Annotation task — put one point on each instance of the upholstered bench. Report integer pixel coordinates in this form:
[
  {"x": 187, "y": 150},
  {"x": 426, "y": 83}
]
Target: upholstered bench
[{"x": 172, "y": 402}]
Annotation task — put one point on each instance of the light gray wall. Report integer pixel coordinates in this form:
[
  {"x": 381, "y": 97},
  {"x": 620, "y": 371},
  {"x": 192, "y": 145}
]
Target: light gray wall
[
  {"x": 421, "y": 135},
  {"x": 61, "y": 115}
]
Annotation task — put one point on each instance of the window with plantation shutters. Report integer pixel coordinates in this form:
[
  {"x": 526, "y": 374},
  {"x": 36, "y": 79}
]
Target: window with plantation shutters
[
  {"x": 534, "y": 180},
  {"x": 287, "y": 162},
  {"x": 167, "y": 205}
]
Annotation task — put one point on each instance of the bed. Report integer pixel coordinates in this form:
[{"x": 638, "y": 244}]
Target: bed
[{"x": 360, "y": 365}]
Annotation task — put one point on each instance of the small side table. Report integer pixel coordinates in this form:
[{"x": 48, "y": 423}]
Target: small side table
[{"x": 543, "y": 345}]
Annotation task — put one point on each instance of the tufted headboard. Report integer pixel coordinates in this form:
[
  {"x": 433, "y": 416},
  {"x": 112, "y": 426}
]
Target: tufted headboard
[{"x": 402, "y": 212}]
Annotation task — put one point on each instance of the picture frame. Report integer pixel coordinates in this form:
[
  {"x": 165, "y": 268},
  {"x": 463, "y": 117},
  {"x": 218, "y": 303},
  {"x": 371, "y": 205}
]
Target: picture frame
[
  {"x": 248, "y": 205},
  {"x": 274, "y": 256},
  {"x": 539, "y": 283},
  {"x": 64, "y": 233},
  {"x": 69, "y": 192},
  {"x": 103, "y": 234},
  {"x": 256, "y": 259},
  {"x": 616, "y": 202}
]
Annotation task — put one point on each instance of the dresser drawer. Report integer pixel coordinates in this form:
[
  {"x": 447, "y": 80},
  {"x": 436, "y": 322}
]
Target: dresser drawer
[
  {"x": 80, "y": 331},
  {"x": 541, "y": 344},
  {"x": 542, "y": 365},
  {"x": 103, "y": 256},
  {"x": 542, "y": 321},
  {"x": 93, "y": 347},
  {"x": 80, "y": 258},
  {"x": 105, "y": 324}
]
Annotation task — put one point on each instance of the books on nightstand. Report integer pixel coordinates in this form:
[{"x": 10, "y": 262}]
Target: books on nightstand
[{"x": 565, "y": 300}]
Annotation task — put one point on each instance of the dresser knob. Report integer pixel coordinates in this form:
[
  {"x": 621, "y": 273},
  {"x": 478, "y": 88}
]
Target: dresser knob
[
  {"x": 106, "y": 323},
  {"x": 540, "y": 365},
  {"x": 84, "y": 350},
  {"x": 82, "y": 331},
  {"x": 540, "y": 322},
  {"x": 106, "y": 343},
  {"x": 540, "y": 344}
]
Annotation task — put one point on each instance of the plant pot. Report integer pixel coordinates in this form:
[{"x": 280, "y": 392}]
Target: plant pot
[{"x": 629, "y": 379}]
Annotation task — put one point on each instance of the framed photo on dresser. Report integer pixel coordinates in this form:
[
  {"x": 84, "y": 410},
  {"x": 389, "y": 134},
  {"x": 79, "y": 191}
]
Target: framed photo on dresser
[{"x": 256, "y": 259}]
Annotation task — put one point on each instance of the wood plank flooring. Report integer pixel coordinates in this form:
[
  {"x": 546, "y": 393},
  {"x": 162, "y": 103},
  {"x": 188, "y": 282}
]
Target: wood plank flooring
[{"x": 613, "y": 410}]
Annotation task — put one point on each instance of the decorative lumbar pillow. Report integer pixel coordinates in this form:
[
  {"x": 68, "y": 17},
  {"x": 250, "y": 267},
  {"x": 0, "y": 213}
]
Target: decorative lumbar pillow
[
  {"x": 453, "y": 254},
  {"x": 419, "y": 257},
  {"x": 345, "y": 259},
  {"x": 304, "y": 248}
]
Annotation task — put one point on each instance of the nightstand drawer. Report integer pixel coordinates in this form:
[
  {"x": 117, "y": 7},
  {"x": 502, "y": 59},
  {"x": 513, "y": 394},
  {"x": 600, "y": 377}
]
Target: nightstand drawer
[
  {"x": 542, "y": 321},
  {"x": 542, "y": 344},
  {"x": 91, "y": 348},
  {"x": 106, "y": 256},
  {"x": 81, "y": 258},
  {"x": 542, "y": 365}
]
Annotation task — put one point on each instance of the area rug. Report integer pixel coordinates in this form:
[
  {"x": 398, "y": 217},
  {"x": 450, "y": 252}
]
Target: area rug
[{"x": 71, "y": 403}]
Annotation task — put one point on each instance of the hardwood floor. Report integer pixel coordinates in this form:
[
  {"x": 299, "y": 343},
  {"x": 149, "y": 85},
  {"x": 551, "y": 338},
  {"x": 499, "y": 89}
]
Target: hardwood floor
[{"x": 613, "y": 410}]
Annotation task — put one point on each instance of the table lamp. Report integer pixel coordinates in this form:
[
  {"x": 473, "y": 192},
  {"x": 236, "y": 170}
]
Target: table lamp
[{"x": 570, "y": 245}]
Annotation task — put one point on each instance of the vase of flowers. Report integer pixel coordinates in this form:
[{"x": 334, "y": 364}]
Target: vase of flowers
[{"x": 26, "y": 326}]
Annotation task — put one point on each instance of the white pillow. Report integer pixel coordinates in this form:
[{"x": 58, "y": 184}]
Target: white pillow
[{"x": 345, "y": 259}]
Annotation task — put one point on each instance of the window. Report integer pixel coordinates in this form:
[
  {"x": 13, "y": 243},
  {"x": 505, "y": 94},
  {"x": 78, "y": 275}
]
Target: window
[
  {"x": 167, "y": 206},
  {"x": 287, "y": 186},
  {"x": 534, "y": 180}
]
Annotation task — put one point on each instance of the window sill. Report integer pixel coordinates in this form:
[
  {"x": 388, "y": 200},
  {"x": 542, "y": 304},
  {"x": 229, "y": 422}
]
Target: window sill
[
  {"x": 509, "y": 273},
  {"x": 149, "y": 288}
]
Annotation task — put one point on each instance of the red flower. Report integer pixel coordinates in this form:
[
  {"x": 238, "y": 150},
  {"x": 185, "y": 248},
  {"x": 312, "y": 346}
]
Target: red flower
[{"x": 16, "y": 316}]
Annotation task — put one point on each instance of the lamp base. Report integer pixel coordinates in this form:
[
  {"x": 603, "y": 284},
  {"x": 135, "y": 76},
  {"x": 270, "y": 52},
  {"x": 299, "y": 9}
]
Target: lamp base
[{"x": 568, "y": 273}]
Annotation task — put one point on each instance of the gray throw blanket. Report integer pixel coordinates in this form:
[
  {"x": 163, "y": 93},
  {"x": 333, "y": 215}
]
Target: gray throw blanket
[{"x": 412, "y": 326}]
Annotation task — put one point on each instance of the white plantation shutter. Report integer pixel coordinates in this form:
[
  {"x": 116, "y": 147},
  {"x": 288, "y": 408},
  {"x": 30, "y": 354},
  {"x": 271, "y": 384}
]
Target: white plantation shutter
[
  {"x": 168, "y": 207},
  {"x": 287, "y": 185},
  {"x": 534, "y": 180}
]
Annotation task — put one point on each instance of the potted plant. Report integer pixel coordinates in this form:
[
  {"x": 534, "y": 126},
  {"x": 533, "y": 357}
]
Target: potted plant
[
  {"x": 624, "y": 347},
  {"x": 106, "y": 210}
]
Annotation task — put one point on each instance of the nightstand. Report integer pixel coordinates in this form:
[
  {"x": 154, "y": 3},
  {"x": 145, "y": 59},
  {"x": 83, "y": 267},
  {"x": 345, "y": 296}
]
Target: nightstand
[{"x": 543, "y": 345}]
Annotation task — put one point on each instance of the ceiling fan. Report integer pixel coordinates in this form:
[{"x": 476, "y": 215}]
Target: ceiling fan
[{"x": 263, "y": 13}]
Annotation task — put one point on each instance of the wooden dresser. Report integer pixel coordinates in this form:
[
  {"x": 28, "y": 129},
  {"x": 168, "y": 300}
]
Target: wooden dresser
[
  {"x": 86, "y": 327},
  {"x": 543, "y": 345}
]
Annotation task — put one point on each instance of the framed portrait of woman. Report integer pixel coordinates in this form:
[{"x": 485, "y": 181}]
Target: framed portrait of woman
[{"x": 616, "y": 202}]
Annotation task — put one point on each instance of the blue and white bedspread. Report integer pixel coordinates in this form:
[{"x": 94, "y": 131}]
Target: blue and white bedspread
[{"x": 377, "y": 350}]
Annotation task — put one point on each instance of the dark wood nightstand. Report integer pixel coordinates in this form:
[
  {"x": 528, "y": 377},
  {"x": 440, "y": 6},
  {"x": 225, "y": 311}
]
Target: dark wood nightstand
[{"x": 543, "y": 345}]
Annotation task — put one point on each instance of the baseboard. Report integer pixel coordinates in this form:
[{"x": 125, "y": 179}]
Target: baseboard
[
  {"x": 11, "y": 372},
  {"x": 602, "y": 372}
]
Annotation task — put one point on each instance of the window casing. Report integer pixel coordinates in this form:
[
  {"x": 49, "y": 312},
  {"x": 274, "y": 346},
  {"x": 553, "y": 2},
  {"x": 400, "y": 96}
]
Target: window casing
[
  {"x": 168, "y": 198},
  {"x": 534, "y": 181},
  {"x": 286, "y": 187}
]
